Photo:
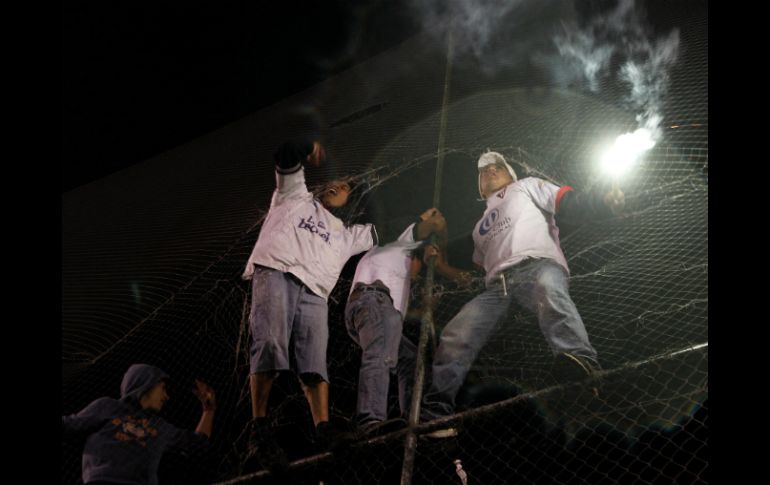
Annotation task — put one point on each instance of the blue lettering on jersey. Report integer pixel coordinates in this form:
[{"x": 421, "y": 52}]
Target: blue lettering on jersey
[
  {"x": 488, "y": 222},
  {"x": 315, "y": 228}
]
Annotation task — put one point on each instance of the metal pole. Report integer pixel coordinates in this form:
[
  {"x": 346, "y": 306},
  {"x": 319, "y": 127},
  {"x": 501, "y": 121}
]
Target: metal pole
[{"x": 426, "y": 327}]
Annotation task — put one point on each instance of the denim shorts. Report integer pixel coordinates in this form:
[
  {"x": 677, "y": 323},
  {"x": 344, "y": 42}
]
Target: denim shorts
[{"x": 284, "y": 310}]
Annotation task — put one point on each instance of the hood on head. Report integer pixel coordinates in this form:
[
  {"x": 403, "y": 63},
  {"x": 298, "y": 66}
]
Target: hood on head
[{"x": 139, "y": 379}]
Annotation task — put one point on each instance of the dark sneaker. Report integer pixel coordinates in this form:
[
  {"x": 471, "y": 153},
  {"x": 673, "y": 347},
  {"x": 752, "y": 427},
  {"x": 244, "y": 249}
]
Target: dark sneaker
[
  {"x": 427, "y": 414},
  {"x": 331, "y": 436},
  {"x": 573, "y": 368},
  {"x": 263, "y": 446},
  {"x": 373, "y": 429}
]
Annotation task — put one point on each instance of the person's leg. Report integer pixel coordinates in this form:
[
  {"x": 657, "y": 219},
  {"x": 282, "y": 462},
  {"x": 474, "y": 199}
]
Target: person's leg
[
  {"x": 460, "y": 343},
  {"x": 259, "y": 385},
  {"x": 407, "y": 360},
  {"x": 317, "y": 394},
  {"x": 378, "y": 327},
  {"x": 311, "y": 336},
  {"x": 273, "y": 301},
  {"x": 543, "y": 288}
]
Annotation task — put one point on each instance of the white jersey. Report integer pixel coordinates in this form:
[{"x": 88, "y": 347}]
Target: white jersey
[
  {"x": 390, "y": 264},
  {"x": 299, "y": 236},
  {"x": 518, "y": 224}
]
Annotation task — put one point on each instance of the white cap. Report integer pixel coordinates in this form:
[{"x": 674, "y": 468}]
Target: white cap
[{"x": 490, "y": 158}]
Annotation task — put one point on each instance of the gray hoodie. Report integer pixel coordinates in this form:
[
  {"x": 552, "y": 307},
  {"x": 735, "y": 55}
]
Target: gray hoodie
[{"x": 125, "y": 442}]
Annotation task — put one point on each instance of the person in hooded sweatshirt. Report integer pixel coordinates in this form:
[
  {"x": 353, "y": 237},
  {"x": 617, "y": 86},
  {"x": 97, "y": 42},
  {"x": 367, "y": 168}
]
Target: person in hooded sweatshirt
[{"x": 127, "y": 438}]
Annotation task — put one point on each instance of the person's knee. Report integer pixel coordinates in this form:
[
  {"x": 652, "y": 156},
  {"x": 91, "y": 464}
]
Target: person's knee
[
  {"x": 271, "y": 343},
  {"x": 372, "y": 345},
  {"x": 263, "y": 375},
  {"x": 454, "y": 352},
  {"x": 455, "y": 338}
]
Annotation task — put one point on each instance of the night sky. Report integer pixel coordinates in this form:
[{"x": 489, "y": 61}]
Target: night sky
[{"x": 140, "y": 78}]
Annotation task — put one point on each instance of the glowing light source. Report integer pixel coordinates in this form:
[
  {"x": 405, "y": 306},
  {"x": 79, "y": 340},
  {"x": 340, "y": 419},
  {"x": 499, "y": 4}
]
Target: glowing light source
[{"x": 626, "y": 150}]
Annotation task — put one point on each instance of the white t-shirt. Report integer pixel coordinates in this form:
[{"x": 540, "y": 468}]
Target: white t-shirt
[
  {"x": 518, "y": 224},
  {"x": 299, "y": 236},
  {"x": 390, "y": 264}
]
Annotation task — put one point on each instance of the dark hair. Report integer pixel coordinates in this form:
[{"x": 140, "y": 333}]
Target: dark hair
[{"x": 348, "y": 179}]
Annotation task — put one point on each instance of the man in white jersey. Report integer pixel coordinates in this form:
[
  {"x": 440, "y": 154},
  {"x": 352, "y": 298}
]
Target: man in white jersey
[
  {"x": 300, "y": 252},
  {"x": 517, "y": 243},
  {"x": 374, "y": 316}
]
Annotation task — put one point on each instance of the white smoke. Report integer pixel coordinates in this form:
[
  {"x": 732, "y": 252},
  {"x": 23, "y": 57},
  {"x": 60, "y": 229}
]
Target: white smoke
[
  {"x": 584, "y": 56},
  {"x": 649, "y": 78},
  {"x": 587, "y": 53},
  {"x": 613, "y": 44},
  {"x": 472, "y": 22}
]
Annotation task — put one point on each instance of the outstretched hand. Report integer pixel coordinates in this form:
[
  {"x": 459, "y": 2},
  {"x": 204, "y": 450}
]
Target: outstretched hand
[
  {"x": 205, "y": 395},
  {"x": 615, "y": 200},
  {"x": 318, "y": 155},
  {"x": 435, "y": 220},
  {"x": 431, "y": 251}
]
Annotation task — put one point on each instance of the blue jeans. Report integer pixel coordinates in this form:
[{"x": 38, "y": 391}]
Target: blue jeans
[
  {"x": 539, "y": 285},
  {"x": 375, "y": 325}
]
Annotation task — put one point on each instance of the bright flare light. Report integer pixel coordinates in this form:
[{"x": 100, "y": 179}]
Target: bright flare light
[{"x": 626, "y": 151}]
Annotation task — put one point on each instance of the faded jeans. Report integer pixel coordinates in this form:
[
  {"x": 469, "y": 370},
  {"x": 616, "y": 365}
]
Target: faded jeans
[
  {"x": 375, "y": 325},
  {"x": 539, "y": 285}
]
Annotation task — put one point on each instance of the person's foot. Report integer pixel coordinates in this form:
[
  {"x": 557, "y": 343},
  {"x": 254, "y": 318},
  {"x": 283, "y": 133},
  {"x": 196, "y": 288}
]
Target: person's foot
[
  {"x": 373, "y": 429},
  {"x": 429, "y": 414},
  {"x": 573, "y": 368},
  {"x": 263, "y": 446},
  {"x": 331, "y": 436}
]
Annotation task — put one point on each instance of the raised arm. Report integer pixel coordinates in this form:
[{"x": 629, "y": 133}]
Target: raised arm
[
  {"x": 578, "y": 207},
  {"x": 431, "y": 221},
  {"x": 207, "y": 397},
  {"x": 460, "y": 277}
]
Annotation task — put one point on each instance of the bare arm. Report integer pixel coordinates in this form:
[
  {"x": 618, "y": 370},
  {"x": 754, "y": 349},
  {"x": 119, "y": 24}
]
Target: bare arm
[
  {"x": 207, "y": 397},
  {"x": 460, "y": 277},
  {"x": 432, "y": 220},
  {"x": 575, "y": 207},
  {"x": 615, "y": 200}
]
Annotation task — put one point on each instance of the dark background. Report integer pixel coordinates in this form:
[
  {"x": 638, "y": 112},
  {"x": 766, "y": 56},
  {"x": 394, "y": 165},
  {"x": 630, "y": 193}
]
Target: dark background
[{"x": 140, "y": 78}]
